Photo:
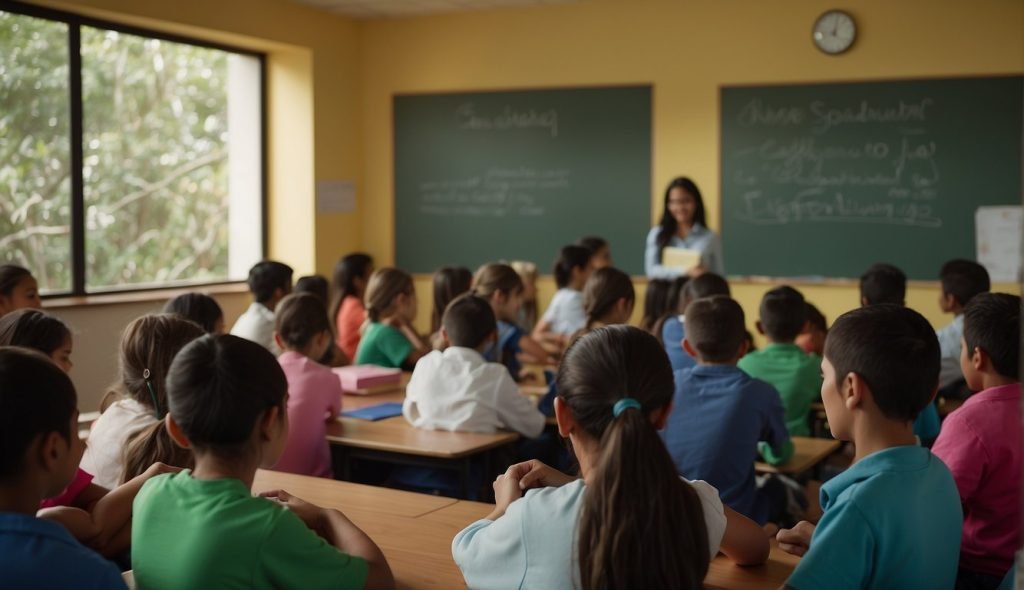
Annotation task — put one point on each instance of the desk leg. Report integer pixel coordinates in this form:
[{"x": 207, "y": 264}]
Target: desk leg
[{"x": 464, "y": 477}]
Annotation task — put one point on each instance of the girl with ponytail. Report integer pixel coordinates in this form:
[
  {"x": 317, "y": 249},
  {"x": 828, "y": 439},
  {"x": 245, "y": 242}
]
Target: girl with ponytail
[
  {"x": 389, "y": 338},
  {"x": 630, "y": 521}
]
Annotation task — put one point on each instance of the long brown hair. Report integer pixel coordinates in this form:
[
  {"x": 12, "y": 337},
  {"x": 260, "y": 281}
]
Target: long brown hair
[
  {"x": 641, "y": 526},
  {"x": 604, "y": 288},
  {"x": 148, "y": 346},
  {"x": 527, "y": 271},
  {"x": 385, "y": 285},
  {"x": 449, "y": 283}
]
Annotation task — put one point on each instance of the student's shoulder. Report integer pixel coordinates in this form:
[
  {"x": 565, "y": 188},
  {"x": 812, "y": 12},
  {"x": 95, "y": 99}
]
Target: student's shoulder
[{"x": 555, "y": 502}]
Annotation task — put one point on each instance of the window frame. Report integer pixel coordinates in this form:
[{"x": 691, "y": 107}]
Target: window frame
[{"x": 74, "y": 23}]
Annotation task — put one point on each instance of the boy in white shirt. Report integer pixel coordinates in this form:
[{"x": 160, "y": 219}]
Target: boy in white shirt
[
  {"x": 458, "y": 390},
  {"x": 269, "y": 282}
]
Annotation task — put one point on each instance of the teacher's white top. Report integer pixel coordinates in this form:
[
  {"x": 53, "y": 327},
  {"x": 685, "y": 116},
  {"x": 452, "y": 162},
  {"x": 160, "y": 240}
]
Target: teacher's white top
[{"x": 700, "y": 239}]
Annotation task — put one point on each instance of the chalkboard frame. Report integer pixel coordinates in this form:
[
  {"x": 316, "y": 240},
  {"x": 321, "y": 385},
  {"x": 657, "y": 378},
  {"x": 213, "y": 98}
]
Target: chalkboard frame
[
  {"x": 830, "y": 280},
  {"x": 543, "y": 269}
]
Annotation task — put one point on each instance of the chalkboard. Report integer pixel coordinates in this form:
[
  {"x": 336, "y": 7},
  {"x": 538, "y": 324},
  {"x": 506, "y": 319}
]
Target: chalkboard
[
  {"x": 485, "y": 176},
  {"x": 826, "y": 179}
]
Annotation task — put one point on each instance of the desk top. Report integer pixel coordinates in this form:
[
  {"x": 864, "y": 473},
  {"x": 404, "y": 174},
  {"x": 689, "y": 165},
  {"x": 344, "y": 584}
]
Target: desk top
[
  {"x": 807, "y": 452},
  {"x": 396, "y": 435},
  {"x": 415, "y": 532}
]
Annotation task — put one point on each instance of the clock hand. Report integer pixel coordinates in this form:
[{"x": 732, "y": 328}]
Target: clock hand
[{"x": 835, "y": 25}]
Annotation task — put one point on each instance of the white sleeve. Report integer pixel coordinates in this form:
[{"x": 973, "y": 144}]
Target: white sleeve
[
  {"x": 714, "y": 513},
  {"x": 515, "y": 410}
]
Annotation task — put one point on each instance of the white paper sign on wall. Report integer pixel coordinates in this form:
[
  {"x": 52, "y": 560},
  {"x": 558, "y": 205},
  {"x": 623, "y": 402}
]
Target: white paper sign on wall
[
  {"x": 335, "y": 196},
  {"x": 998, "y": 231}
]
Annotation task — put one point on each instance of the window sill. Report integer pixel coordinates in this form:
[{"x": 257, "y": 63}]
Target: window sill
[{"x": 153, "y": 295}]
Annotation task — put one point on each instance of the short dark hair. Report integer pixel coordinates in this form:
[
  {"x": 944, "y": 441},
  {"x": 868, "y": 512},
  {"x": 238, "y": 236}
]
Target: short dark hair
[
  {"x": 963, "y": 279},
  {"x": 469, "y": 320},
  {"x": 198, "y": 308},
  {"x": 816, "y": 318},
  {"x": 35, "y": 329},
  {"x": 36, "y": 398},
  {"x": 217, "y": 389},
  {"x": 883, "y": 283},
  {"x": 894, "y": 350},
  {"x": 569, "y": 257},
  {"x": 992, "y": 323},
  {"x": 716, "y": 328},
  {"x": 783, "y": 313},
  {"x": 704, "y": 285},
  {"x": 299, "y": 318},
  {"x": 592, "y": 243},
  {"x": 266, "y": 277},
  {"x": 314, "y": 285},
  {"x": 10, "y": 276}
]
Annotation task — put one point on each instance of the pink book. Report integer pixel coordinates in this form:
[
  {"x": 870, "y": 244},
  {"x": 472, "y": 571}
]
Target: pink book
[{"x": 368, "y": 378}]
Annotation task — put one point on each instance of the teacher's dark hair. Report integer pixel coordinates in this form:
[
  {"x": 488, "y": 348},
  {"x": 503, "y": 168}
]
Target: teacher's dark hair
[{"x": 668, "y": 223}]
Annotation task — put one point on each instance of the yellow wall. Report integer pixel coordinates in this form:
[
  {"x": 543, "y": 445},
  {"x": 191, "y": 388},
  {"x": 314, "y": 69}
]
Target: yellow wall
[{"x": 687, "y": 49}]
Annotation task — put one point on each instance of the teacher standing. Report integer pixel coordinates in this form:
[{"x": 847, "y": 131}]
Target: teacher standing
[{"x": 682, "y": 226}]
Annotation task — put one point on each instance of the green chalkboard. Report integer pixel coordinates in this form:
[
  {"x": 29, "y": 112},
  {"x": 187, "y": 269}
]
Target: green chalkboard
[
  {"x": 485, "y": 176},
  {"x": 826, "y": 179}
]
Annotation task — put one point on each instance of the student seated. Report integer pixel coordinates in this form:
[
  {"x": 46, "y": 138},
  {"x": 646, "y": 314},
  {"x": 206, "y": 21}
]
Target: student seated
[
  {"x": 883, "y": 283},
  {"x": 94, "y": 515},
  {"x": 201, "y": 309},
  {"x": 18, "y": 289},
  {"x": 600, "y": 251},
  {"x": 656, "y": 303},
  {"x": 527, "y": 316},
  {"x": 203, "y": 528},
  {"x": 302, "y": 331},
  {"x": 961, "y": 281},
  {"x": 721, "y": 416},
  {"x": 449, "y": 283},
  {"x": 630, "y": 521},
  {"x": 892, "y": 520},
  {"x": 389, "y": 338},
  {"x": 351, "y": 275},
  {"x": 269, "y": 282},
  {"x": 812, "y": 339},
  {"x": 458, "y": 390},
  {"x": 39, "y": 454},
  {"x": 316, "y": 285},
  {"x": 503, "y": 288},
  {"x": 672, "y": 329},
  {"x": 135, "y": 419},
  {"x": 564, "y": 315},
  {"x": 794, "y": 374},
  {"x": 981, "y": 441}
]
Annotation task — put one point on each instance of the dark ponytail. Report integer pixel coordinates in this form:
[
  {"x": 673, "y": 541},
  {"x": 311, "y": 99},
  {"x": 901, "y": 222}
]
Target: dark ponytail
[
  {"x": 348, "y": 269},
  {"x": 569, "y": 257},
  {"x": 604, "y": 288},
  {"x": 641, "y": 526}
]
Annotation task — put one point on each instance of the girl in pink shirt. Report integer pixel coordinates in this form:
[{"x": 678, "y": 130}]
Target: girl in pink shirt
[
  {"x": 314, "y": 392},
  {"x": 351, "y": 275}
]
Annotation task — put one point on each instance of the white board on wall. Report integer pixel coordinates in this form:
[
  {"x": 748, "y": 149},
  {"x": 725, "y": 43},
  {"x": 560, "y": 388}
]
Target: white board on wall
[{"x": 998, "y": 231}]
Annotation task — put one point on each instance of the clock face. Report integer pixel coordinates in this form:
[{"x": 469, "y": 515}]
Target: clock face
[{"x": 834, "y": 32}]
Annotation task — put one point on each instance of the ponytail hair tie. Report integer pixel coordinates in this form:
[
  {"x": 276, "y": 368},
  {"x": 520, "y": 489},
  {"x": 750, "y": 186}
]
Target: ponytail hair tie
[
  {"x": 152, "y": 394},
  {"x": 624, "y": 404}
]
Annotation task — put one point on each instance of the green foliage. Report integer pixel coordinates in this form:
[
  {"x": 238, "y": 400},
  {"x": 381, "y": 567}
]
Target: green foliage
[{"x": 155, "y": 156}]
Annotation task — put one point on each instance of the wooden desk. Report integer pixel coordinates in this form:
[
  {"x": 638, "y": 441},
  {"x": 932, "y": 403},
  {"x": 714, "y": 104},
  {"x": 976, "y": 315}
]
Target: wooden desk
[
  {"x": 807, "y": 452},
  {"x": 722, "y": 572},
  {"x": 358, "y": 402},
  {"x": 416, "y": 536},
  {"x": 395, "y": 441}
]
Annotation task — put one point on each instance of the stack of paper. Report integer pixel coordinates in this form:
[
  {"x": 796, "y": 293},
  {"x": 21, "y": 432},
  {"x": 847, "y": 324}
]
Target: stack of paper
[
  {"x": 682, "y": 258},
  {"x": 368, "y": 379}
]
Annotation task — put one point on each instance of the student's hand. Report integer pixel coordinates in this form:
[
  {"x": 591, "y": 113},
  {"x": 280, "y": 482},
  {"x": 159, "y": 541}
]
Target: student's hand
[
  {"x": 314, "y": 516},
  {"x": 796, "y": 540},
  {"x": 534, "y": 474},
  {"x": 506, "y": 491}
]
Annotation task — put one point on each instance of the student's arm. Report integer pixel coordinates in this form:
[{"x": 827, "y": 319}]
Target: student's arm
[
  {"x": 515, "y": 410},
  {"x": 491, "y": 552},
  {"x": 77, "y": 521},
  {"x": 743, "y": 542},
  {"x": 533, "y": 351},
  {"x": 420, "y": 346},
  {"x": 335, "y": 528},
  {"x": 113, "y": 512},
  {"x": 841, "y": 554}
]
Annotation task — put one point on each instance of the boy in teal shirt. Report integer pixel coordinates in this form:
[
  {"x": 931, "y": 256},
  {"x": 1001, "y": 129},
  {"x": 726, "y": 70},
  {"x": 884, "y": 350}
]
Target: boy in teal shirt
[
  {"x": 892, "y": 520},
  {"x": 795, "y": 374}
]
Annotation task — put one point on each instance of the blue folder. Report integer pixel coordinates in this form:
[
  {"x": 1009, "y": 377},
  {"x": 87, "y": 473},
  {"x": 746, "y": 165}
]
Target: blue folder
[{"x": 378, "y": 412}]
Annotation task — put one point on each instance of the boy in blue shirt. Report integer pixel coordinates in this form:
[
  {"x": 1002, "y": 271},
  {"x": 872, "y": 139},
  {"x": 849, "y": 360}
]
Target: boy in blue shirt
[
  {"x": 721, "y": 416},
  {"x": 893, "y": 519},
  {"x": 39, "y": 455}
]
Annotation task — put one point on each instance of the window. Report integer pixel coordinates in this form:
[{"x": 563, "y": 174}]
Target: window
[{"x": 167, "y": 186}]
